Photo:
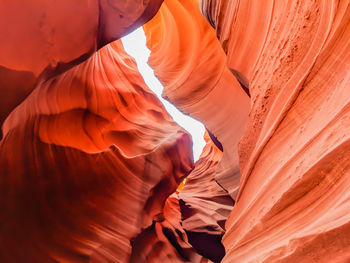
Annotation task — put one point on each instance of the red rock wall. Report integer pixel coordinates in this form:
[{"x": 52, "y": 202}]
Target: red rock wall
[
  {"x": 40, "y": 39},
  {"x": 87, "y": 160},
  {"x": 89, "y": 157},
  {"x": 197, "y": 80},
  {"x": 205, "y": 205},
  {"x": 293, "y": 203}
]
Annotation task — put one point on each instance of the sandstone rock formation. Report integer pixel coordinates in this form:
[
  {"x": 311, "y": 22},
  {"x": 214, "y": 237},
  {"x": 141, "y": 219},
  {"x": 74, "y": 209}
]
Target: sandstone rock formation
[
  {"x": 293, "y": 202},
  {"x": 90, "y": 160},
  {"x": 197, "y": 80},
  {"x": 295, "y": 150},
  {"x": 205, "y": 206},
  {"x": 165, "y": 240},
  {"x": 80, "y": 164},
  {"x": 39, "y": 39}
]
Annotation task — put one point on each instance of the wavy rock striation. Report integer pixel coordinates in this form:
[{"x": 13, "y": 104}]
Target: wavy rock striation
[
  {"x": 197, "y": 80},
  {"x": 90, "y": 160},
  {"x": 87, "y": 160},
  {"x": 293, "y": 203},
  {"x": 40, "y": 39},
  {"x": 205, "y": 206},
  {"x": 165, "y": 240}
]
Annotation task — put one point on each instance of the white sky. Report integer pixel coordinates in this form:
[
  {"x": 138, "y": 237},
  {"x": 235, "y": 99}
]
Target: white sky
[{"x": 135, "y": 45}]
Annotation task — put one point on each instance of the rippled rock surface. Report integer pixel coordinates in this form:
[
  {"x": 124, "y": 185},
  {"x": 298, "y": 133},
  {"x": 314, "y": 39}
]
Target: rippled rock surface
[
  {"x": 90, "y": 160},
  {"x": 87, "y": 160}
]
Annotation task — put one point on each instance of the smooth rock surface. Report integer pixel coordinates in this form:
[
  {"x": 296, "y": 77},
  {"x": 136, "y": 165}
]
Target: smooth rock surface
[
  {"x": 197, "y": 80},
  {"x": 205, "y": 206},
  {"x": 63, "y": 31},
  {"x": 41, "y": 39},
  {"x": 88, "y": 159},
  {"x": 293, "y": 203}
]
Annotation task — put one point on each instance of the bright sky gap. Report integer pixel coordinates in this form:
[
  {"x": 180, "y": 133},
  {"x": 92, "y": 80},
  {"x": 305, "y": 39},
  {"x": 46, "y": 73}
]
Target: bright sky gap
[{"x": 135, "y": 45}]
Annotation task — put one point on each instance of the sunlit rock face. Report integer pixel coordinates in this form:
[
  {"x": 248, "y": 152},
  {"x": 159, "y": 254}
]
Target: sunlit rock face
[
  {"x": 90, "y": 160},
  {"x": 87, "y": 160},
  {"x": 39, "y": 39},
  {"x": 197, "y": 80},
  {"x": 293, "y": 203}
]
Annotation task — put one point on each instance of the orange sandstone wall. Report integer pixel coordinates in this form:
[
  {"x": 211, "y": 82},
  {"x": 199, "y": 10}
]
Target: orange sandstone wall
[
  {"x": 293, "y": 200},
  {"x": 293, "y": 203},
  {"x": 40, "y": 39},
  {"x": 88, "y": 159},
  {"x": 197, "y": 80},
  {"x": 205, "y": 205}
]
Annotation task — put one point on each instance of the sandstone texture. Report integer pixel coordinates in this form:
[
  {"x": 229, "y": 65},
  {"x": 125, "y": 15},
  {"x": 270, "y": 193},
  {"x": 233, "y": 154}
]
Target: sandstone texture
[
  {"x": 93, "y": 168},
  {"x": 293, "y": 203},
  {"x": 80, "y": 164},
  {"x": 197, "y": 80},
  {"x": 205, "y": 205},
  {"x": 40, "y": 39}
]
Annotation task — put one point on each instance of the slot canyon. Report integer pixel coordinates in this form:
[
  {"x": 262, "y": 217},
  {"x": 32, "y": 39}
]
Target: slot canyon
[{"x": 94, "y": 169}]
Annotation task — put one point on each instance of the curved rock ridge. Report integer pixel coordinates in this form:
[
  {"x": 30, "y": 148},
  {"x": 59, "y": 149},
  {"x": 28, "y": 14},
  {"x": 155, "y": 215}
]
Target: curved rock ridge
[
  {"x": 293, "y": 203},
  {"x": 193, "y": 219},
  {"x": 62, "y": 31},
  {"x": 205, "y": 206},
  {"x": 40, "y": 39},
  {"x": 197, "y": 80},
  {"x": 87, "y": 161},
  {"x": 165, "y": 240},
  {"x": 90, "y": 159}
]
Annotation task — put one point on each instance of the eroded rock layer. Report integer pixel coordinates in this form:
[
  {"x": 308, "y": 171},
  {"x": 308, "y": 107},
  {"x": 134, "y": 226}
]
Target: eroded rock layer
[
  {"x": 89, "y": 157},
  {"x": 197, "y": 80},
  {"x": 205, "y": 206},
  {"x": 293, "y": 203},
  {"x": 87, "y": 160},
  {"x": 40, "y": 39},
  {"x": 165, "y": 240}
]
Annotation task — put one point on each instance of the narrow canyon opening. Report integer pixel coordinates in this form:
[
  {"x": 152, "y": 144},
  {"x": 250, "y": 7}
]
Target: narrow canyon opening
[
  {"x": 135, "y": 45},
  {"x": 216, "y": 131}
]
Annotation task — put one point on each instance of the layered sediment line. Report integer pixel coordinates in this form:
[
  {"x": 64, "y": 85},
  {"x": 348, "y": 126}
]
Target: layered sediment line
[
  {"x": 88, "y": 159},
  {"x": 293, "y": 203},
  {"x": 197, "y": 80}
]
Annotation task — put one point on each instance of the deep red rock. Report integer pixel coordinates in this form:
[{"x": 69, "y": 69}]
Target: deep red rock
[
  {"x": 88, "y": 159},
  {"x": 205, "y": 205}
]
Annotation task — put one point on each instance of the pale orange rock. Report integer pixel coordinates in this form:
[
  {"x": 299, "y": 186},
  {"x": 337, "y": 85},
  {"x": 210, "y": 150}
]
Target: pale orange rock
[
  {"x": 88, "y": 159},
  {"x": 293, "y": 204},
  {"x": 197, "y": 80},
  {"x": 41, "y": 39},
  {"x": 40, "y": 34}
]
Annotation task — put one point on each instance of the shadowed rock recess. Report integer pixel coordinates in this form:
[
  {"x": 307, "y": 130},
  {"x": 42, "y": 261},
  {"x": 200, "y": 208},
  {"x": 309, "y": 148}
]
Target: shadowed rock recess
[{"x": 91, "y": 162}]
